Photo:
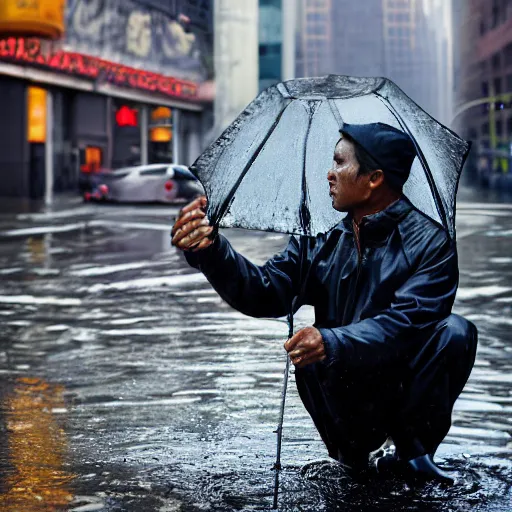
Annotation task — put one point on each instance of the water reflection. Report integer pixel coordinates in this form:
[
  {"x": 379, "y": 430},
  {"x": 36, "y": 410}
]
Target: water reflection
[
  {"x": 39, "y": 249},
  {"x": 178, "y": 404},
  {"x": 36, "y": 477}
]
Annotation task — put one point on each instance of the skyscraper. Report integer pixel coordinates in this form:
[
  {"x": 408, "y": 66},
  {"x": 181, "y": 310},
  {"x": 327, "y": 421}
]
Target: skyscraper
[
  {"x": 277, "y": 34},
  {"x": 315, "y": 49},
  {"x": 410, "y": 59},
  {"x": 358, "y": 38},
  {"x": 391, "y": 38}
]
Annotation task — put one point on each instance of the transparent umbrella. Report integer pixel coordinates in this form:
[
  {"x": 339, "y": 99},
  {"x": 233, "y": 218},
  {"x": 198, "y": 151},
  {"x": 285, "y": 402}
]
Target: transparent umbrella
[{"x": 267, "y": 171}]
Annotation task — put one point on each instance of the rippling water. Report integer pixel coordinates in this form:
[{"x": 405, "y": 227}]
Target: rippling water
[{"x": 127, "y": 384}]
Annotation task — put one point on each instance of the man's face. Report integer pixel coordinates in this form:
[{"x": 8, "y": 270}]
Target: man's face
[{"x": 346, "y": 188}]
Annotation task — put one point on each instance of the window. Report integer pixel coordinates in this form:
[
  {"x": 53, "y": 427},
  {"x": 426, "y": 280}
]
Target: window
[
  {"x": 317, "y": 29},
  {"x": 509, "y": 127},
  {"x": 485, "y": 89},
  {"x": 496, "y": 62},
  {"x": 485, "y": 129},
  {"x": 313, "y": 17},
  {"x": 499, "y": 128},
  {"x": 508, "y": 55},
  {"x": 154, "y": 171},
  {"x": 181, "y": 173},
  {"x": 497, "y": 86},
  {"x": 495, "y": 14},
  {"x": 509, "y": 83}
]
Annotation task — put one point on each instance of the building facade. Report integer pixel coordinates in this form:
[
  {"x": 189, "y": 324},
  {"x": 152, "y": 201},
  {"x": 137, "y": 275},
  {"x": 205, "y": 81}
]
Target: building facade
[
  {"x": 483, "y": 111},
  {"x": 407, "y": 40},
  {"x": 277, "y": 41},
  {"x": 270, "y": 42},
  {"x": 358, "y": 30},
  {"x": 392, "y": 38},
  {"x": 121, "y": 88},
  {"x": 315, "y": 48}
]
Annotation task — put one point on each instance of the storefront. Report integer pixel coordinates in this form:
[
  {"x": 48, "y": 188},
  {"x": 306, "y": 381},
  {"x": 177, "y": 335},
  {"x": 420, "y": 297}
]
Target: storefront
[{"x": 67, "y": 112}]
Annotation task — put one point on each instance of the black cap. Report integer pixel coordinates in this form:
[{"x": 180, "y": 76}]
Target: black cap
[{"x": 392, "y": 149}]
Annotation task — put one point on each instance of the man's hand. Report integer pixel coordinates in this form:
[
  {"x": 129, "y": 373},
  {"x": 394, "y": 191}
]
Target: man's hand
[
  {"x": 192, "y": 228},
  {"x": 305, "y": 347}
]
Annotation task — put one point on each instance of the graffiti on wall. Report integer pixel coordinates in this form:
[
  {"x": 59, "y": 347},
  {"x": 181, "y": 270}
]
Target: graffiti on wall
[{"x": 127, "y": 31}]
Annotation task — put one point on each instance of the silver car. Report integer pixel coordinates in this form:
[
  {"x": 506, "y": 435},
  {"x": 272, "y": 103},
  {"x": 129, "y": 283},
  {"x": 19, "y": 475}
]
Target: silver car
[{"x": 161, "y": 183}]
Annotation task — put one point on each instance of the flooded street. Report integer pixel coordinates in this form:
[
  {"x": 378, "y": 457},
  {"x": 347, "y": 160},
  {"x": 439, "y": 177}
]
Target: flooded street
[{"x": 128, "y": 385}]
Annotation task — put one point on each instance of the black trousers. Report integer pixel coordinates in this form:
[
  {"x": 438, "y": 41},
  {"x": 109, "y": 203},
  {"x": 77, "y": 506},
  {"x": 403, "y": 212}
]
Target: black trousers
[{"x": 410, "y": 400}]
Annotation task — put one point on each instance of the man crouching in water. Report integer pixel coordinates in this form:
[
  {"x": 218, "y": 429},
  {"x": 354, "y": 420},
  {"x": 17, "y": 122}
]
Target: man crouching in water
[{"x": 385, "y": 358}]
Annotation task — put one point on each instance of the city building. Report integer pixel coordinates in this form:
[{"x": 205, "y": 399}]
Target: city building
[
  {"x": 397, "y": 39},
  {"x": 358, "y": 38},
  {"x": 406, "y": 40},
  {"x": 120, "y": 88},
  {"x": 277, "y": 37},
  {"x": 483, "y": 111},
  {"x": 315, "y": 48}
]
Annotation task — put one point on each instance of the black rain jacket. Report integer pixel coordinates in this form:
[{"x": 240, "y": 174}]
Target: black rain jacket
[{"x": 372, "y": 305}]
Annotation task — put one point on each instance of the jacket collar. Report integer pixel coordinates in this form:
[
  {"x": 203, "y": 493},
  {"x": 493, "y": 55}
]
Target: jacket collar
[{"x": 378, "y": 226}]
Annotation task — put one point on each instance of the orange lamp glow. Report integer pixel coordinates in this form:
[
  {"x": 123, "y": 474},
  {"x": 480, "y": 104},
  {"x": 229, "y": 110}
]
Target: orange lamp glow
[
  {"x": 36, "y": 114},
  {"x": 160, "y": 134},
  {"x": 161, "y": 113},
  {"x": 93, "y": 159},
  {"x": 36, "y": 448},
  {"x": 38, "y": 18}
]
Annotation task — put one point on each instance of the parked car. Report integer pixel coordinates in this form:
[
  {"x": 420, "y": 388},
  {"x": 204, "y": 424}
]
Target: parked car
[{"x": 160, "y": 183}]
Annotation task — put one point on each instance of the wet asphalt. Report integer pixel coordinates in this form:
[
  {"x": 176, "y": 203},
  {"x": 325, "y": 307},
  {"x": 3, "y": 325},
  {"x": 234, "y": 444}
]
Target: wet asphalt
[{"x": 128, "y": 385}]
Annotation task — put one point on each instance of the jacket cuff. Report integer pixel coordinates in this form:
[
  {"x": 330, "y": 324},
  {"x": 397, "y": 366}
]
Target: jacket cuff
[
  {"x": 333, "y": 347},
  {"x": 200, "y": 259}
]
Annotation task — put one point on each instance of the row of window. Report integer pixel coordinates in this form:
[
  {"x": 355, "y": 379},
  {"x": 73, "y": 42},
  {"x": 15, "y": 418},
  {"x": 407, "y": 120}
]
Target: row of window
[
  {"x": 313, "y": 17},
  {"x": 399, "y": 17},
  {"x": 399, "y": 31},
  {"x": 499, "y": 128},
  {"x": 500, "y": 12},
  {"x": 500, "y": 85},
  {"x": 318, "y": 3},
  {"x": 398, "y": 3},
  {"x": 316, "y": 29},
  {"x": 499, "y": 61}
]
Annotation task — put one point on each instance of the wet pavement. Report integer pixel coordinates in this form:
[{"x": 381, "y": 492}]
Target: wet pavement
[{"x": 128, "y": 385}]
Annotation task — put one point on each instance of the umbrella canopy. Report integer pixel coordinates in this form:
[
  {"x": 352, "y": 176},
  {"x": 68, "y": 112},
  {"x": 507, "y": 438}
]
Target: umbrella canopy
[{"x": 268, "y": 170}]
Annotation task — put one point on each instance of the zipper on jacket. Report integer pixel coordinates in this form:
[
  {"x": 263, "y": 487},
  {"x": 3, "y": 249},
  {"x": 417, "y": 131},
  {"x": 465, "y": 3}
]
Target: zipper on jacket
[
  {"x": 357, "y": 240},
  {"x": 360, "y": 261}
]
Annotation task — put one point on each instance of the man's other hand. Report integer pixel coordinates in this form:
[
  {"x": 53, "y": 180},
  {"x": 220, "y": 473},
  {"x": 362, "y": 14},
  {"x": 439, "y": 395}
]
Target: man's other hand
[
  {"x": 192, "y": 229},
  {"x": 305, "y": 347}
]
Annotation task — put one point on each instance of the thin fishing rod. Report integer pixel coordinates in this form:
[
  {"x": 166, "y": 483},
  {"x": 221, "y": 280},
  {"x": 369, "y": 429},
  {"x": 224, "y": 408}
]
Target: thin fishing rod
[
  {"x": 279, "y": 431},
  {"x": 296, "y": 303}
]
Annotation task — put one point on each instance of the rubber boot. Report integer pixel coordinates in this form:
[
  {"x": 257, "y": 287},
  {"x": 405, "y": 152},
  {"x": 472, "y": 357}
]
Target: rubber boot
[{"x": 424, "y": 469}]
